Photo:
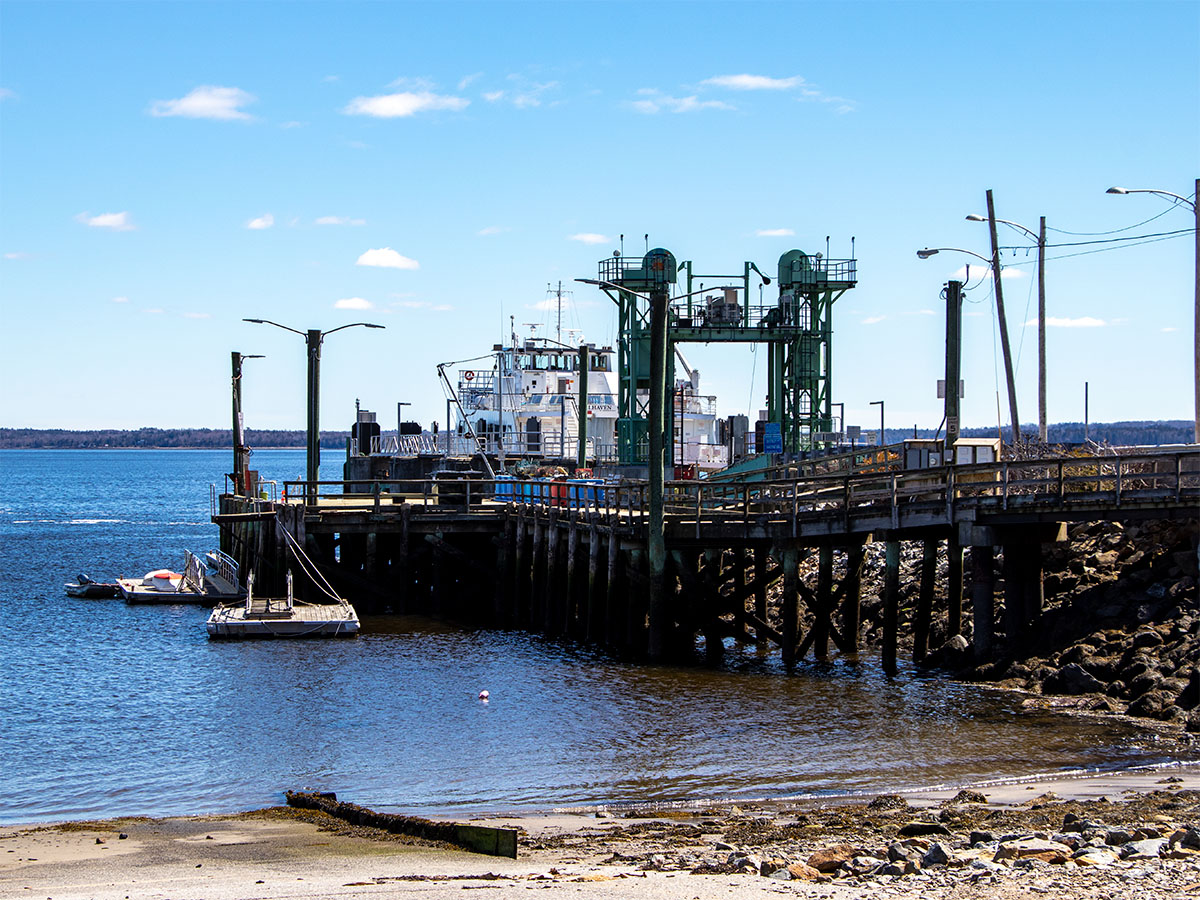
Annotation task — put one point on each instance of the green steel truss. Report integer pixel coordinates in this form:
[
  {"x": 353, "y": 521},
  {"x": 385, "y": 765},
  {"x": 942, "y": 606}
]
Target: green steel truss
[{"x": 796, "y": 325}]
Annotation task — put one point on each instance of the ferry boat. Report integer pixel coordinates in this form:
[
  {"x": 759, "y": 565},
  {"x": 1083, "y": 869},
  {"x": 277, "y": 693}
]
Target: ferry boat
[{"x": 527, "y": 405}]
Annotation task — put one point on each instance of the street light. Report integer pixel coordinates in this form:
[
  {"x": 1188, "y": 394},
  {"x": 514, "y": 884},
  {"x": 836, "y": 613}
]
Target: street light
[
  {"x": 1195, "y": 208},
  {"x": 313, "y": 338},
  {"x": 1040, "y": 238},
  {"x": 994, "y": 264},
  {"x": 882, "y": 439}
]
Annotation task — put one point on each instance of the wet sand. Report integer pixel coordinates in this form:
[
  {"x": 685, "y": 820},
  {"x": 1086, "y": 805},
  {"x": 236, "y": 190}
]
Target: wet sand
[{"x": 284, "y": 853}]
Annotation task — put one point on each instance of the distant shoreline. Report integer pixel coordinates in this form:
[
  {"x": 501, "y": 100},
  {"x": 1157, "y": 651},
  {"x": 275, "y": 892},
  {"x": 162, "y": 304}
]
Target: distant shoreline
[{"x": 1131, "y": 433}]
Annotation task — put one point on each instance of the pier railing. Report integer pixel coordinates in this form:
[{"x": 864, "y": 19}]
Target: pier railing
[{"x": 851, "y": 501}]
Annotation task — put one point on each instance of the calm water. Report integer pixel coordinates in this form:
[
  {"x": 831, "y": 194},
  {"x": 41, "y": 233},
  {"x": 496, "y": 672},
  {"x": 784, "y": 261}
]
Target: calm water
[{"x": 107, "y": 708}]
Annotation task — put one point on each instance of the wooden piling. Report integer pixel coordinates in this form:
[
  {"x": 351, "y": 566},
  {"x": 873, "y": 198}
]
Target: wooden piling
[
  {"x": 537, "y": 579},
  {"x": 983, "y": 600},
  {"x": 553, "y": 599},
  {"x": 790, "y": 606},
  {"x": 612, "y": 600},
  {"x": 891, "y": 605},
  {"x": 954, "y": 586},
  {"x": 760, "y": 592},
  {"x": 594, "y": 627},
  {"x": 570, "y": 624},
  {"x": 852, "y": 595},
  {"x": 824, "y": 602},
  {"x": 924, "y": 614}
]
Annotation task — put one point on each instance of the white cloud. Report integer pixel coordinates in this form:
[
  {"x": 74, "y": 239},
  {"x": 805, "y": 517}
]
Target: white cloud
[
  {"x": 465, "y": 81},
  {"x": 331, "y": 78},
  {"x": 1170, "y": 329},
  {"x": 775, "y": 232},
  {"x": 493, "y": 96},
  {"x": 120, "y": 299},
  {"x": 6, "y": 94},
  {"x": 154, "y": 311},
  {"x": 873, "y": 320},
  {"x": 413, "y": 83},
  {"x": 387, "y": 258},
  {"x": 401, "y": 105},
  {"x": 292, "y": 124},
  {"x": 655, "y": 101},
  {"x": 1081, "y": 322},
  {"x": 340, "y": 220},
  {"x": 266, "y": 220},
  {"x": 353, "y": 303},
  {"x": 206, "y": 102},
  {"x": 590, "y": 238},
  {"x": 753, "y": 82},
  {"x": 492, "y": 229},
  {"x": 197, "y": 315},
  {"x": 115, "y": 221},
  {"x": 17, "y": 254}
]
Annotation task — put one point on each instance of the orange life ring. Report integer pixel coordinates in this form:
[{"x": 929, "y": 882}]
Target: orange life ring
[{"x": 468, "y": 375}]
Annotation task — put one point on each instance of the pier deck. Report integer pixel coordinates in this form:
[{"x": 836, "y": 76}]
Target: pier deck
[{"x": 571, "y": 560}]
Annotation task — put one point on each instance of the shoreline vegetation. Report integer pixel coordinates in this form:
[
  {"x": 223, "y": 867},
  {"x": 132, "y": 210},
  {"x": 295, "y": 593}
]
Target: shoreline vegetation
[
  {"x": 1120, "y": 835},
  {"x": 1134, "y": 433}
]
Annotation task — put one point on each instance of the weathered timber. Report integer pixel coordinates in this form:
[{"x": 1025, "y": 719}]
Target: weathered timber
[
  {"x": 924, "y": 613},
  {"x": 983, "y": 600},
  {"x": 891, "y": 605}
]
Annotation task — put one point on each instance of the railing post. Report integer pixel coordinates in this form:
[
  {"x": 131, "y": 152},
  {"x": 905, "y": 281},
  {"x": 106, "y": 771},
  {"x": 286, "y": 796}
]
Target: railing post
[
  {"x": 1118, "y": 498},
  {"x": 376, "y": 493},
  {"x": 1004, "y": 494}
]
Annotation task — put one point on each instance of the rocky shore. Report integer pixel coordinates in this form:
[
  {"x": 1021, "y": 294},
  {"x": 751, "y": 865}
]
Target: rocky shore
[
  {"x": 1119, "y": 633},
  {"x": 1117, "y": 837}
]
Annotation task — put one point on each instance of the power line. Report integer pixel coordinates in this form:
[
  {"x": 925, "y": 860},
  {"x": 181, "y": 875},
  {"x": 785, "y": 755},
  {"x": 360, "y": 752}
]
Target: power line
[
  {"x": 1132, "y": 237},
  {"x": 1115, "y": 230}
]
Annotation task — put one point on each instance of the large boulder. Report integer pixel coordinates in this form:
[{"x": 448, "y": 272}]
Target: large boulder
[{"x": 1072, "y": 679}]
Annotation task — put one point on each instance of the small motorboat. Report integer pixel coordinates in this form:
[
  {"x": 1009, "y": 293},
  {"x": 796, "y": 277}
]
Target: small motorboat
[{"x": 89, "y": 589}]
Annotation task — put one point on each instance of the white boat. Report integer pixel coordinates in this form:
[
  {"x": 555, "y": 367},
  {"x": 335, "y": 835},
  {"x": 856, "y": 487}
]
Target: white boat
[
  {"x": 199, "y": 583},
  {"x": 527, "y": 405},
  {"x": 263, "y": 617}
]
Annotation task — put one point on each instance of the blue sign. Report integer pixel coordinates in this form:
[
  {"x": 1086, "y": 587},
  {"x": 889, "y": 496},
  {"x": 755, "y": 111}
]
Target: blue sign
[{"x": 772, "y": 438}]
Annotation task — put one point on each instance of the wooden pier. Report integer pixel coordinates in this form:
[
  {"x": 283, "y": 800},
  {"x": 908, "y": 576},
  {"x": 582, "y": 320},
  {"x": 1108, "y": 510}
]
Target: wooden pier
[{"x": 570, "y": 559}]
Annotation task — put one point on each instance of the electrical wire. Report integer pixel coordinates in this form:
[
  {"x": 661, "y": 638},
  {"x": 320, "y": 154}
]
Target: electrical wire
[
  {"x": 1170, "y": 208},
  {"x": 1154, "y": 240},
  {"x": 1132, "y": 237}
]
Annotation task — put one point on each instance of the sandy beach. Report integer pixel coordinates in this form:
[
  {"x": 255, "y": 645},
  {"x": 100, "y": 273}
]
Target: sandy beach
[{"x": 744, "y": 850}]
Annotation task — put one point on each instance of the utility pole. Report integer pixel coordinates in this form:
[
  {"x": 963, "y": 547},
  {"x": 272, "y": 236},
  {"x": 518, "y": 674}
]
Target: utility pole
[
  {"x": 1042, "y": 329},
  {"x": 241, "y": 453},
  {"x": 1008, "y": 368},
  {"x": 953, "y": 363},
  {"x": 313, "y": 457}
]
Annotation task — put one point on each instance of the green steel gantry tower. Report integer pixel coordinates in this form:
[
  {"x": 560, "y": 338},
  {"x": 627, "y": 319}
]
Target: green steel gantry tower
[{"x": 796, "y": 325}]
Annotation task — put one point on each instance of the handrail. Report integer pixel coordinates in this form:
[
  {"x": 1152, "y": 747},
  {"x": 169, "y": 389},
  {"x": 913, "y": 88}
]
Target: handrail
[{"x": 883, "y": 496}]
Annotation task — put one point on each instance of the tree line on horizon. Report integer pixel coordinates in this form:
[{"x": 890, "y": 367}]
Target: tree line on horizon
[{"x": 1143, "y": 433}]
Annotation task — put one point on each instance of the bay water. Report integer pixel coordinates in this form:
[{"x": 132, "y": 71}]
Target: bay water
[{"x": 108, "y": 709}]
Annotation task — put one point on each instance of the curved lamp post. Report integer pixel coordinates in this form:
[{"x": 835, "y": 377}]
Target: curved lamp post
[
  {"x": 1004, "y": 347},
  {"x": 1040, "y": 240},
  {"x": 313, "y": 338},
  {"x": 1192, "y": 205}
]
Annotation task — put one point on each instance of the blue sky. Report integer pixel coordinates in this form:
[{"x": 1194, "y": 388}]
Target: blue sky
[{"x": 167, "y": 169}]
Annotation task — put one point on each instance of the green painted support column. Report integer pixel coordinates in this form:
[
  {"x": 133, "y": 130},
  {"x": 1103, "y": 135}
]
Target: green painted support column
[
  {"x": 891, "y": 606},
  {"x": 583, "y": 406},
  {"x": 657, "y": 547}
]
